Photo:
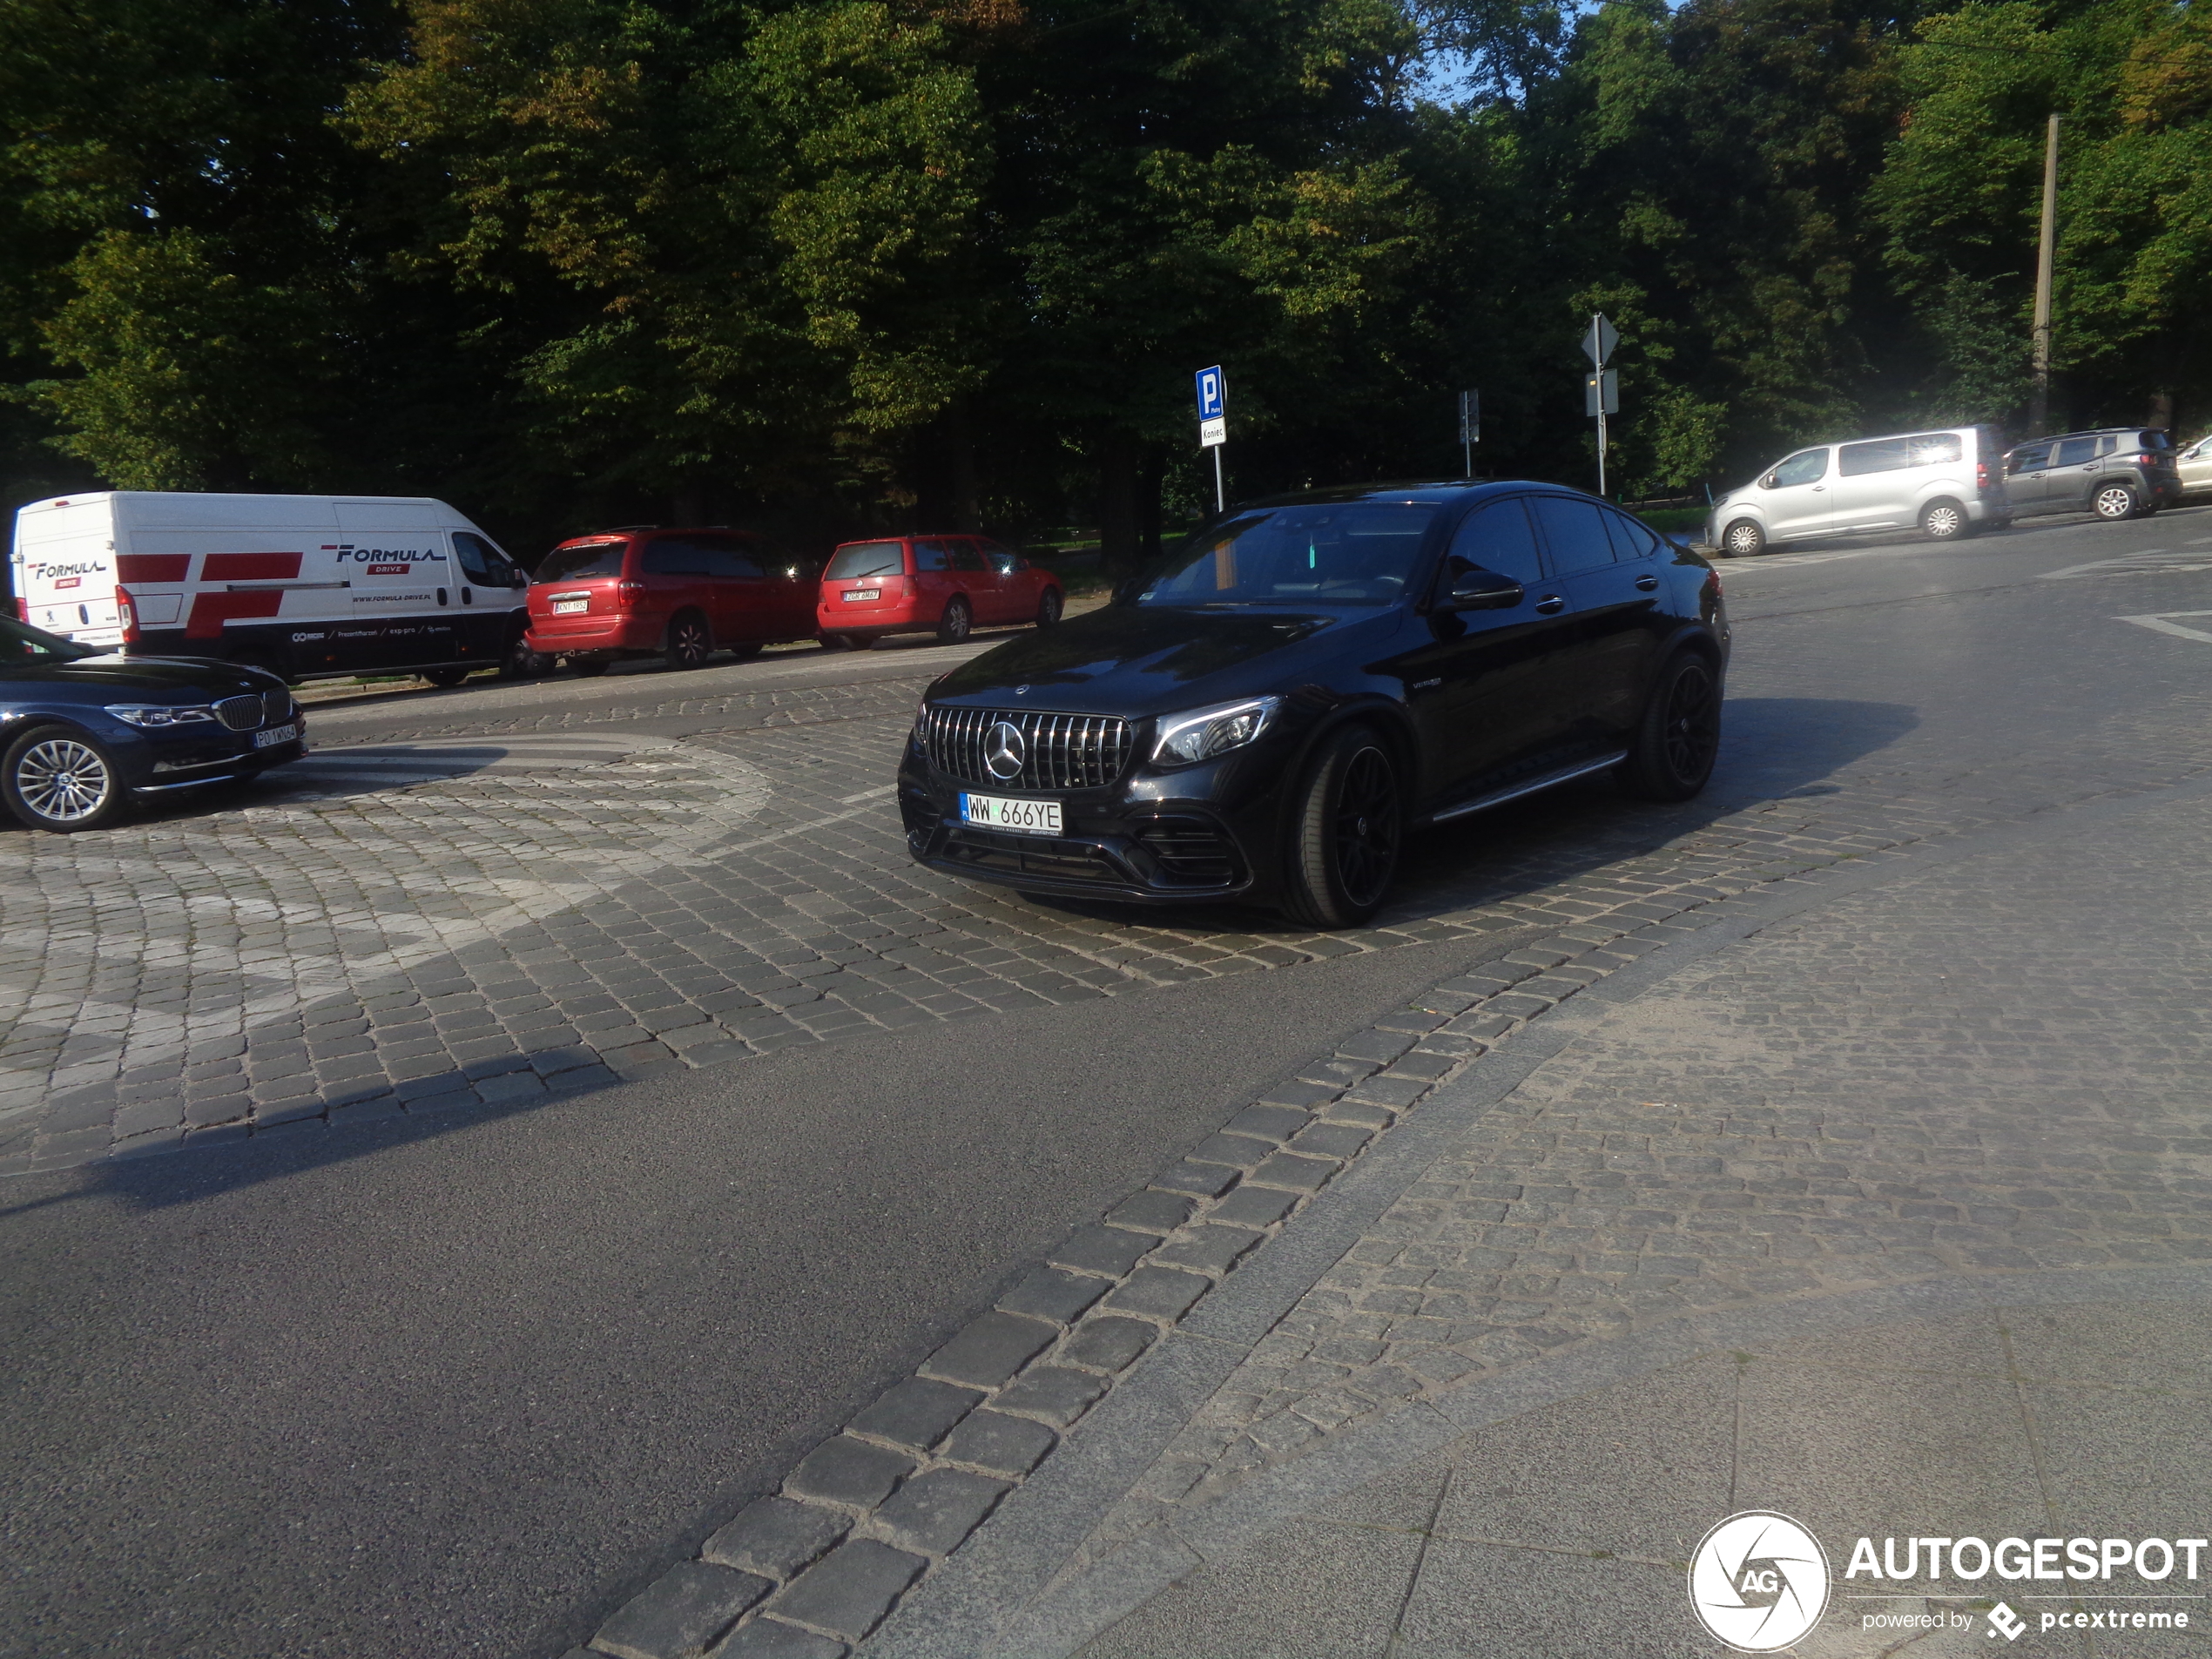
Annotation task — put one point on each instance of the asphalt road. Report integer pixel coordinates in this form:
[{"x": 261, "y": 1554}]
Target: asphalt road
[{"x": 460, "y": 1392}]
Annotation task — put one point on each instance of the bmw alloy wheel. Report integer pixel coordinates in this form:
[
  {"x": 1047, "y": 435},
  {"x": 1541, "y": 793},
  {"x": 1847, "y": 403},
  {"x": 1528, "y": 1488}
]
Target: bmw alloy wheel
[{"x": 64, "y": 783}]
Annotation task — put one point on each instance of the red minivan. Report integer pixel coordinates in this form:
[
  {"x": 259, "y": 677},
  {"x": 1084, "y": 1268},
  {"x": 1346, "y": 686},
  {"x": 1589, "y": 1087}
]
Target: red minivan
[
  {"x": 679, "y": 595},
  {"x": 919, "y": 585}
]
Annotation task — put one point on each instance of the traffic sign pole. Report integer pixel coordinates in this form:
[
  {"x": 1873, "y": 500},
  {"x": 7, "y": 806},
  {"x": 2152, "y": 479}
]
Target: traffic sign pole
[
  {"x": 1601, "y": 394},
  {"x": 1470, "y": 428}
]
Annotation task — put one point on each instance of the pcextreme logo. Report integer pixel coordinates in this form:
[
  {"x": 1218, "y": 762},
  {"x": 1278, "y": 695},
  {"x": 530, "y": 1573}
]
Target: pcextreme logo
[{"x": 1758, "y": 1581}]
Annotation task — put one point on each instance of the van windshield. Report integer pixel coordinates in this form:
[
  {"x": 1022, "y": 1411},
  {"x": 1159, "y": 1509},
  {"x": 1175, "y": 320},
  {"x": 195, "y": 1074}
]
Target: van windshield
[
  {"x": 20, "y": 642},
  {"x": 585, "y": 559},
  {"x": 867, "y": 558},
  {"x": 1344, "y": 553}
]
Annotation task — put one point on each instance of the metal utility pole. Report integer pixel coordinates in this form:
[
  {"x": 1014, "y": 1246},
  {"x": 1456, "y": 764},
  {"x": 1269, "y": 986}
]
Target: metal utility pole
[
  {"x": 2039, "y": 404},
  {"x": 1470, "y": 428},
  {"x": 1601, "y": 388}
]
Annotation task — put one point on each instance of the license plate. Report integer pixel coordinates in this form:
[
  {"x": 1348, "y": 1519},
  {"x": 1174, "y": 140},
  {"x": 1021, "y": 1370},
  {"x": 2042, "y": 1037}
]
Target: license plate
[
  {"x": 275, "y": 735},
  {"x": 1024, "y": 817},
  {"x": 570, "y": 607},
  {"x": 850, "y": 594}
]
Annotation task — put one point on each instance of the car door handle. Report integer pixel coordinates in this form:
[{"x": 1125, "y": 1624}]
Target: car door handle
[
  {"x": 1551, "y": 604},
  {"x": 1818, "y": 487},
  {"x": 1647, "y": 583}
]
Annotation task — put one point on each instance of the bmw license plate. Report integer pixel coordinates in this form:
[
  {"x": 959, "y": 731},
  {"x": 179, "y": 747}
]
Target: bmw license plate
[
  {"x": 275, "y": 735},
  {"x": 1024, "y": 817},
  {"x": 570, "y": 607},
  {"x": 852, "y": 594}
]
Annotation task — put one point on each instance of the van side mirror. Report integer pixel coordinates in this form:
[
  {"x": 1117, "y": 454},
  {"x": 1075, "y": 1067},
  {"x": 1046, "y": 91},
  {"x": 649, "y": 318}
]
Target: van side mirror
[{"x": 1481, "y": 589}]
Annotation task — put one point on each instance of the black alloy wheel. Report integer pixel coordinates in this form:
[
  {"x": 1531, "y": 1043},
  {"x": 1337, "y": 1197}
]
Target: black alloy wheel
[
  {"x": 1680, "y": 735},
  {"x": 2114, "y": 501},
  {"x": 589, "y": 668},
  {"x": 1346, "y": 833},
  {"x": 691, "y": 641},
  {"x": 1048, "y": 608},
  {"x": 54, "y": 779},
  {"x": 446, "y": 678},
  {"x": 1743, "y": 539},
  {"x": 957, "y": 623}
]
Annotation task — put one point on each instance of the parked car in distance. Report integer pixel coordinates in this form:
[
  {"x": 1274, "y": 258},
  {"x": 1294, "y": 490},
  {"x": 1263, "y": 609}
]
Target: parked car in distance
[
  {"x": 2115, "y": 472},
  {"x": 941, "y": 584},
  {"x": 680, "y": 594},
  {"x": 1948, "y": 483},
  {"x": 1264, "y": 714},
  {"x": 83, "y": 731},
  {"x": 2193, "y": 466}
]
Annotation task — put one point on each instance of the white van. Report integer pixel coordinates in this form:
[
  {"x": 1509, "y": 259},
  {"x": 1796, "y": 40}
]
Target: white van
[
  {"x": 307, "y": 585},
  {"x": 1947, "y": 482}
]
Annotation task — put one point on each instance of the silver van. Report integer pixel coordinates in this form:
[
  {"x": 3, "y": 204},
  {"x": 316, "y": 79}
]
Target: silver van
[{"x": 1948, "y": 483}]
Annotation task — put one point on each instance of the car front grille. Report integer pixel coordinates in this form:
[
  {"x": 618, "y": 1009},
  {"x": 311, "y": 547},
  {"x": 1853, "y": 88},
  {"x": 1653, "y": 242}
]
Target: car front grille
[
  {"x": 240, "y": 714},
  {"x": 276, "y": 706},
  {"x": 1059, "y": 751}
]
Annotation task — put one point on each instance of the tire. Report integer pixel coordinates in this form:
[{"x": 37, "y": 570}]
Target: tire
[
  {"x": 521, "y": 663},
  {"x": 60, "y": 781},
  {"x": 446, "y": 678},
  {"x": 1346, "y": 828},
  {"x": 2114, "y": 503},
  {"x": 1944, "y": 520},
  {"x": 837, "y": 642},
  {"x": 589, "y": 668},
  {"x": 691, "y": 641},
  {"x": 1050, "y": 605},
  {"x": 1743, "y": 539},
  {"x": 957, "y": 624},
  {"x": 1680, "y": 734},
  {"x": 751, "y": 648}
]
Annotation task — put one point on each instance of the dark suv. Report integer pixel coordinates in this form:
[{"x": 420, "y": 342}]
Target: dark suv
[
  {"x": 1266, "y": 712},
  {"x": 2115, "y": 472}
]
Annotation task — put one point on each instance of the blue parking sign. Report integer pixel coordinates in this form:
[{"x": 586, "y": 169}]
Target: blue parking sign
[{"x": 1213, "y": 394}]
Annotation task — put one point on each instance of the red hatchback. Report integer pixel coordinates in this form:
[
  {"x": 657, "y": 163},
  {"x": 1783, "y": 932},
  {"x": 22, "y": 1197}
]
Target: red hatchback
[
  {"x": 919, "y": 585},
  {"x": 679, "y": 595}
]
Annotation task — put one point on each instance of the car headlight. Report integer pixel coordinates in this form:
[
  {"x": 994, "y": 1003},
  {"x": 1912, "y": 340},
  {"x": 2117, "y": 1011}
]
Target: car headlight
[
  {"x": 1204, "y": 733},
  {"x": 158, "y": 714},
  {"x": 922, "y": 720}
]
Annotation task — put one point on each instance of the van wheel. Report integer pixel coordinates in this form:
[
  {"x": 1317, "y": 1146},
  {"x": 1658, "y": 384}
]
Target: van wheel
[
  {"x": 1345, "y": 829},
  {"x": 2114, "y": 501},
  {"x": 691, "y": 641},
  {"x": 589, "y": 668},
  {"x": 1680, "y": 734},
  {"x": 1743, "y": 539},
  {"x": 957, "y": 623},
  {"x": 55, "y": 779},
  {"x": 1048, "y": 608},
  {"x": 1944, "y": 521},
  {"x": 446, "y": 678}
]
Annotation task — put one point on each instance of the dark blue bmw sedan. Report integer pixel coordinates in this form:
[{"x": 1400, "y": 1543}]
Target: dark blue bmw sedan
[{"x": 83, "y": 732}]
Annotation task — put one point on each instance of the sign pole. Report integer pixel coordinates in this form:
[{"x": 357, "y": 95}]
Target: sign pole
[
  {"x": 1601, "y": 390},
  {"x": 1220, "y": 490},
  {"x": 1212, "y": 387},
  {"x": 1470, "y": 428}
]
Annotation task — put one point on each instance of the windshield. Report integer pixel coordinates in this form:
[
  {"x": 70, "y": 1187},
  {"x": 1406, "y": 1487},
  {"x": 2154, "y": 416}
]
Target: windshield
[
  {"x": 573, "y": 564},
  {"x": 867, "y": 558},
  {"x": 20, "y": 642},
  {"x": 1345, "y": 553}
]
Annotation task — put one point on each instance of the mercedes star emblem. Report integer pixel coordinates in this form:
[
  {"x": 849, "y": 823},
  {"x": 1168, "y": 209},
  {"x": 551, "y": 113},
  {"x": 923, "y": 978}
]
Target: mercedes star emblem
[{"x": 1004, "y": 750}]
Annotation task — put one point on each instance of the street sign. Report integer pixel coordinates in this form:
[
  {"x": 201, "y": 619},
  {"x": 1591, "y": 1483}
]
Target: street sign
[
  {"x": 1598, "y": 344},
  {"x": 1470, "y": 417},
  {"x": 1602, "y": 393},
  {"x": 1213, "y": 432},
  {"x": 1213, "y": 394}
]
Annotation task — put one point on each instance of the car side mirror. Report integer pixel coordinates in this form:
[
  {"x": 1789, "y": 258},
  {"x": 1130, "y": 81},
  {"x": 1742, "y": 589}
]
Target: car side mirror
[
  {"x": 1481, "y": 589},
  {"x": 1767, "y": 482}
]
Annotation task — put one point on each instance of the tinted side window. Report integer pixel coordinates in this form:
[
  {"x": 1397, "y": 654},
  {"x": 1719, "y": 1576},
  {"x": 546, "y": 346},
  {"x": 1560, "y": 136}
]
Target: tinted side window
[
  {"x": 1883, "y": 454},
  {"x": 965, "y": 557},
  {"x": 932, "y": 555},
  {"x": 674, "y": 555},
  {"x": 727, "y": 557},
  {"x": 1632, "y": 538},
  {"x": 2073, "y": 451},
  {"x": 1935, "y": 448},
  {"x": 1005, "y": 563},
  {"x": 1497, "y": 537},
  {"x": 1806, "y": 467},
  {"x": 2029, "y": 457},
  {"x": 1574, "y": 532}
]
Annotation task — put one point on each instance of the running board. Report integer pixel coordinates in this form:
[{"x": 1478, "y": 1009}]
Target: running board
[{"x": 1549, "y": 780}]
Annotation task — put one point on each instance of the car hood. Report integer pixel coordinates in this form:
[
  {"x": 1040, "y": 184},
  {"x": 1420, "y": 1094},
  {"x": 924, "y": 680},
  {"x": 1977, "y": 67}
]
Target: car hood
[
  {"x": 168, "y": 678},
  {"x": 1136, "y": 661}
]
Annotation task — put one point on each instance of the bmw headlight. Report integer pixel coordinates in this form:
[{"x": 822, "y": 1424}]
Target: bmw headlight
[
  {"x": 1204, "y": 733},
  {"x": 144, "y": 714}
]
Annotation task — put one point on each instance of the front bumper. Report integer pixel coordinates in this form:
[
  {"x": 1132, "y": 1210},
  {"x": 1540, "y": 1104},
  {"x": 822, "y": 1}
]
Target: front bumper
[
  {"x": 1202, "y": 835},
  {"x": 157, "y": 763}
]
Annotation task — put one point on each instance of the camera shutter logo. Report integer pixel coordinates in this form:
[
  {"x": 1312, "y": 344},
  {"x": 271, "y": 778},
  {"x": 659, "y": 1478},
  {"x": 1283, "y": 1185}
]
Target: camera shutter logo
[{"x": 1758, "y": 1581}]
